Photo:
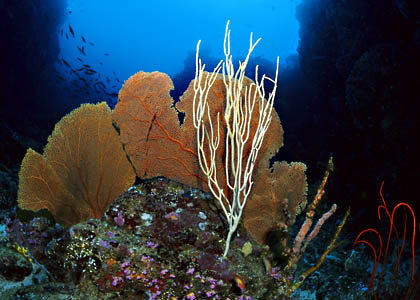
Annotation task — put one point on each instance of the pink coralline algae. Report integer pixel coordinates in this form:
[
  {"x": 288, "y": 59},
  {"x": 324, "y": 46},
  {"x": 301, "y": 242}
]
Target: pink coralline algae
[
  {"x": 119, "y": 219},
  {"x": 151, "y": 245}
]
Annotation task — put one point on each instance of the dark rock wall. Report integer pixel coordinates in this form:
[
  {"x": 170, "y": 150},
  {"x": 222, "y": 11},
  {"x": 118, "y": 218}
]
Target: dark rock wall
[{"x": 362, "y": 61}]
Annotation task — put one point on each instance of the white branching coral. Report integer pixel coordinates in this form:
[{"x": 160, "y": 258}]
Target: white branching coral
[{"x": 240, "y": 100}]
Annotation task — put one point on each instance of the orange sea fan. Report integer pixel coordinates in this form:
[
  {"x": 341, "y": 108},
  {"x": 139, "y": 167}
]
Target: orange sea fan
[
  {"x": 83, "y": 168},
  {"x": 158, "y": 145}
]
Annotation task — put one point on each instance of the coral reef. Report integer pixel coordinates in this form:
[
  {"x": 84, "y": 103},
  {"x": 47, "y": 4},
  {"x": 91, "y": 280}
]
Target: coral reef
[{"x": 162, "y": 240}]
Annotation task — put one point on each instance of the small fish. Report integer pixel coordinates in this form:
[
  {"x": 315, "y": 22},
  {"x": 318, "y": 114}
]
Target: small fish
[
  {"x": 91, "y": 70},
  {"x": 71, "y": 30},
  {"x": 239, "y": 282},
  {"x": 81, "y": 50},
  {"x": 87, "y": 66},
  {"x": 66, "y": 63},
  {"x": 117, "y": 80},
  {"x": 70, "y": 11},
  {"x": 67, "y": 37},
  {"x": 83, "y": 39},
  {"x": 100, "y": 83},
  {"x": 79, "y": 59},
  {"x": 106, "y": 54},
  {"x": 101, "y": 63},
  {"x": 92, "y": 44}
]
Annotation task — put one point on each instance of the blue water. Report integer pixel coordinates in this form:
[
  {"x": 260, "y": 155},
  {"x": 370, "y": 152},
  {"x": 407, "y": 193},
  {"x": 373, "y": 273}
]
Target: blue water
[{"x": 158, "y": 35}]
